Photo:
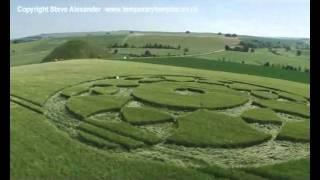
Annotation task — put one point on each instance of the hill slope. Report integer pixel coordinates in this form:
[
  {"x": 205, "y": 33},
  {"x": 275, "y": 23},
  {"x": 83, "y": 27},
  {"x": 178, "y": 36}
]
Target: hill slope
[{"x": 72, "y": 49}]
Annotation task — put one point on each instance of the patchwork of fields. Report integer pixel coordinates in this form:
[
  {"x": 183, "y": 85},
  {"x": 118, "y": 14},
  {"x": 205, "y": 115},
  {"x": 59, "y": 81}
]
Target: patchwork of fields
[{"x": 104, "y": 119}]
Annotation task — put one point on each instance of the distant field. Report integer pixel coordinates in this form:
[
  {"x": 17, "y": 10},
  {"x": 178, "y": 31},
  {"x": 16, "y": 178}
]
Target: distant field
[
  {"x": 195, "y": 44},
  {"x": 139, "y": 51},
  {"x": 206, "y": 64},
  {"x": 260, "y": 57},
  {"x": 34, "y": 51}
]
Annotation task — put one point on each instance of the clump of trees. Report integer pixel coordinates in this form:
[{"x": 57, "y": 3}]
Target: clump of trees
[
  {"x": 231, "y": 35},
  {"x": 298, "y": 53},
  {"x": 237, "y": 48},
  {"x": 274, "y": 51},
  {"x": 148, "y": 45},
  {"x": 160, "y": 46},
  {"x": 286, "y": 67}
]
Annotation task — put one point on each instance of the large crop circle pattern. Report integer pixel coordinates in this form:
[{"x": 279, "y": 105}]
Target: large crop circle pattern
[{"x": 167, "y": 113}]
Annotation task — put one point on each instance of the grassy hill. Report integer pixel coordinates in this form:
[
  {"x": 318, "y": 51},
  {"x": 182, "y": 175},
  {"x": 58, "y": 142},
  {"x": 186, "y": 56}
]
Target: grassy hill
[{"x": 75, "y": 49}]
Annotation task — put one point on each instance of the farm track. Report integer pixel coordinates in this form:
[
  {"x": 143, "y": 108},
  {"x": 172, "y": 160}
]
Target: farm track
[{"x": 269, "y": 152}]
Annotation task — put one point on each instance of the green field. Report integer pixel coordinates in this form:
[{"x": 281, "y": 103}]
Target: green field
[
  {"x": 202, "y": 113},
  {"x": 259, "y": 57},
  {"x": 152, "y": 138}
]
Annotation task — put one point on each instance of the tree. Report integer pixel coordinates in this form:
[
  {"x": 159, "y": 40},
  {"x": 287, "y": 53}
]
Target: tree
[
  {"x": 185, "y": 50},
  {"x": 267, "y": 64},
  {"x": 115, "y": 51},
  {"x": 115, "y": 45},
  {"x": 298, "y": 52},
  {"x": 126, "y": 45},
  {"x": 179, "y": 47},
  {"x": 147, "y": 53},
  {"x": 252, "y": 50},
  {"x": 219, "y": 33},
  {"x": 226, "y": 47},
  {"x": 288, "y": 48},
  {"x": 187, "y": 32}
]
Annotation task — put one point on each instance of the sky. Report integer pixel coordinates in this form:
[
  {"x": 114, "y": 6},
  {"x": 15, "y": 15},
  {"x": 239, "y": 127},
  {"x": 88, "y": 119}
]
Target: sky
[{"x": 270, "y": 18}]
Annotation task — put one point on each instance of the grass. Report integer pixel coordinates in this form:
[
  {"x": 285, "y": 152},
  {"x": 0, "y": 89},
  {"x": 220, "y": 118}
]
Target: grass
[
  {"x": 38, "y": 150},
  {"x": 285, "y": 107},
  {"x": 179, "y": 79},
  {"x": 32, "y": 52},
  {"x": 111, "y": 136},
  {"x": 292, "y": 170},
  {"x": 291, "y": 97},
  {"x": 210, "y": 129},
  {"x": 105, "y": 90},
  {"x": 27, "y": 104},
  {"x": 245, "y": 87},
  {"x": 230, "y": 173},
  {"x": 96, "y": 141},
  {"x": 261, "y": 115},
  {"x": 154, "y": 51},
  {"x": 164, "y": 94},
  {"x": 264, "y": 94},
  {"x": 128, "y": 130},
  {"x": 200, "y": 63},
  {"x": 76, "y": 90},
  {"x": 117, "y": 82},
  {"x": 144, "y": 115},
  {"x": 210, "y": 81},
  {"x": 295, "y": 131},
  {"x": 39, "y": 81},
  {"x": 151, "y": 80},
  {"x": 259, "y": 57},
  {"x": 84, "y": 106},
  {"x": 195, "y": 44},
  {"x": 76, "y": 49}
]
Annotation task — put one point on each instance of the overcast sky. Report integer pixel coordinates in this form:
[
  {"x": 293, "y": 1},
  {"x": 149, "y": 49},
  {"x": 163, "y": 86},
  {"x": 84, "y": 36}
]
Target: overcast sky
[{"x": 277, "y": 18}]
